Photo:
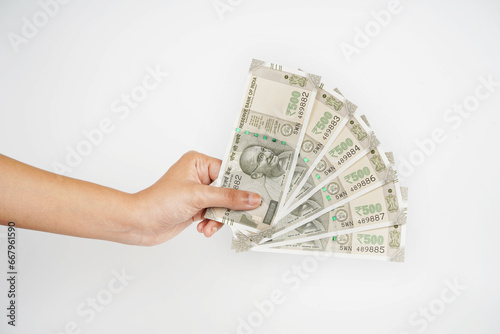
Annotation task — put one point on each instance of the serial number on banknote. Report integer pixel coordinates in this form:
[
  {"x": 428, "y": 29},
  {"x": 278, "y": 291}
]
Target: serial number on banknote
[
  {"x": 376, "y": 243},
  {"x": 371, "y": 219},
  {"x": 322, "y": 124},
  {"x": 371, "y": 249},
  {"x": 294, "y": 100}
]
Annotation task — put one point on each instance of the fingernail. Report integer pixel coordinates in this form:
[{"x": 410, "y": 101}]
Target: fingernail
[
  {"x": 213, "y": 230},
  {"x": 253, "y": 199}
]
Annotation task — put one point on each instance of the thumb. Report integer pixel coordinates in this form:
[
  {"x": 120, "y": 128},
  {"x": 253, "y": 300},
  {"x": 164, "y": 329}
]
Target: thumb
[{"x": 208, "y": 196}]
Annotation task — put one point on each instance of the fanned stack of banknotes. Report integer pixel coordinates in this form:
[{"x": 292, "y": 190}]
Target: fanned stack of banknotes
[{"x": 326, "y": 183}]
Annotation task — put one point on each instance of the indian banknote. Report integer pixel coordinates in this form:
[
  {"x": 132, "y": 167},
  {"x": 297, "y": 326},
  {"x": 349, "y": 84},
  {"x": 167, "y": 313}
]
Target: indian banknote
[
  {"x": 381, "y": 207},
  {"x": 387, "y": 244},
  {"x": 352, "y": 142},
  {"x": 371, "y": 171},
  {"x": 329, "y": 114},
  {"x": 263, "y": 149}
]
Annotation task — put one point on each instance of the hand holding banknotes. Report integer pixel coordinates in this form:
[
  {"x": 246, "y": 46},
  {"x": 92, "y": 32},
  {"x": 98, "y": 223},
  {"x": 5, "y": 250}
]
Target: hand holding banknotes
[
  {"x": 180, "y": 197},
  {"x": 43, "y": 201}
]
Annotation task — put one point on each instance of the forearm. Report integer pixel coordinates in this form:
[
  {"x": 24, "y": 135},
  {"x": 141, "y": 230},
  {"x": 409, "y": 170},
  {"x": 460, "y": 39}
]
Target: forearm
[{"x": 43, "y": 201}]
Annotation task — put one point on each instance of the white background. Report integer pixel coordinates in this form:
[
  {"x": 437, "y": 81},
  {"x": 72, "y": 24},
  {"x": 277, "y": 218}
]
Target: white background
[{"x": 429, "y": 57}]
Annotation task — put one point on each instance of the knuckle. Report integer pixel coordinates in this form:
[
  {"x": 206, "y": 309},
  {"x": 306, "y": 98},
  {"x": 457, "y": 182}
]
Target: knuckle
[
  {"x": 190, "y": 155},
  {"x": 193, "y": 152}
]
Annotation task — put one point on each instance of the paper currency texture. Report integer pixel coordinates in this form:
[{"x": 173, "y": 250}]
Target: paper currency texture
[{"x": 262, "y": 153}]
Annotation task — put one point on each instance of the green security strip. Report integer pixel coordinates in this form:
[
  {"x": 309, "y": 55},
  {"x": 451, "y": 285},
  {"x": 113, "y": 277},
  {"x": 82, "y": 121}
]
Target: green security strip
[
  {"x": 306, "y": 160},
  {"x": 317, "y": 176},
  {"x": 334, "y": 219},
  {"x": 265, "y": 138},
  {"x": 328, "y": 198},
  {"x": 324, "y": 188}
]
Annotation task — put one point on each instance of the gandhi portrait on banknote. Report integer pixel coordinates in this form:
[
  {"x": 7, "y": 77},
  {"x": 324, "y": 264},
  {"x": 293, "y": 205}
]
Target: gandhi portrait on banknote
[{"x": 259, "y": 161}]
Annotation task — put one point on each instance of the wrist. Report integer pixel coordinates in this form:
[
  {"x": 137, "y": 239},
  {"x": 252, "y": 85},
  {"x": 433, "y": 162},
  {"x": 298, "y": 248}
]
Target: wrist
[{"x": 128, "y": 217}]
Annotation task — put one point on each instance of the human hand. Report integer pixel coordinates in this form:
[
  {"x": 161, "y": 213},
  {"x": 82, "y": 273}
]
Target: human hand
[{"x": 181, "y": 197}]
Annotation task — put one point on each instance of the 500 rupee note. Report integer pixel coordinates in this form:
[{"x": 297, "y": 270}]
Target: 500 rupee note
[
  {"x": 329, "y": 115},
  {"x": 370, "y": 172},
  {"x": 263, "y": 150},
  {"x": 386, "y": 244},
  {"x": 381, "y": 207},
  {"x": 352, "y": 142}
]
